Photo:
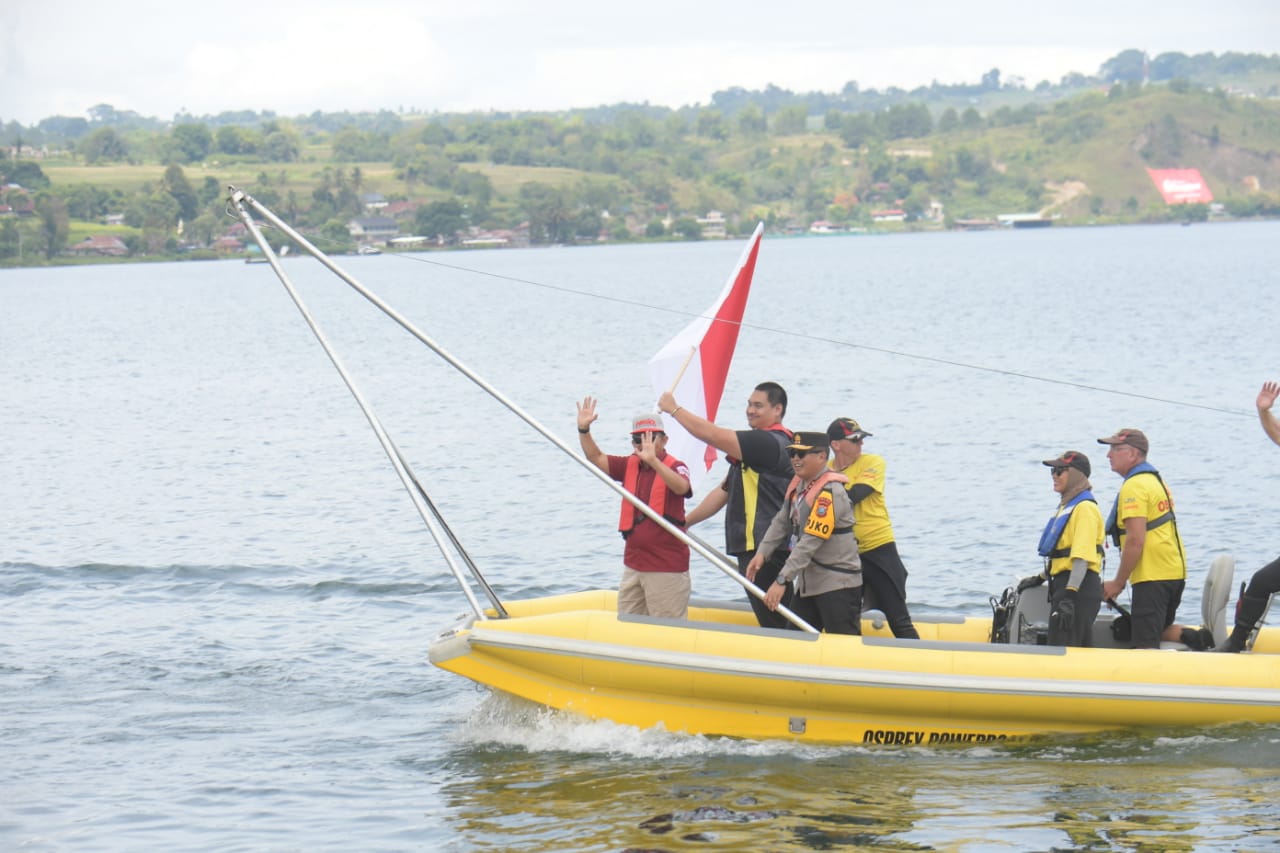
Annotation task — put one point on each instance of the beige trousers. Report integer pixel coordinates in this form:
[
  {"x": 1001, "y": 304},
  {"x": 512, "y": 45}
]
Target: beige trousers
[{"x": 654, "y": 594}]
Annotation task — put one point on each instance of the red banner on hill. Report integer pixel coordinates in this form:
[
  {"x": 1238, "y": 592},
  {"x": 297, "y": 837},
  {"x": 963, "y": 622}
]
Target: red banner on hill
[{"x": 1181, "y": 186}]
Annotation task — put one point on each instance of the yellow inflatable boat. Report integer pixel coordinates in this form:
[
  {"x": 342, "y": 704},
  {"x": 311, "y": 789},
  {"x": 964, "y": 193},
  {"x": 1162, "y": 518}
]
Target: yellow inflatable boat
[{"x": 719, "y": 674}]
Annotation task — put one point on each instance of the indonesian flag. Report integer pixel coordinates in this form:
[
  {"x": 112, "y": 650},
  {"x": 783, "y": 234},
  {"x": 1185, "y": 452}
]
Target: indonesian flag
[{"x": 697, "y": 360}]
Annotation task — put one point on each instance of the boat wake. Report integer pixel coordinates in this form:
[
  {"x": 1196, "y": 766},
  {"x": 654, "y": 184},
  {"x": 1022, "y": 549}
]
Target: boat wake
[{"x": 508, "y": 721}]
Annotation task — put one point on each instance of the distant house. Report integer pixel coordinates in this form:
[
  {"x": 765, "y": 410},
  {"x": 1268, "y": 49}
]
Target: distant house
[
  {"x": 112, "y": 247},
  {"x": 413, "y": 241},
  {"x": 113, "y": 219},
  {"x": 496, "y": 238},
  {"x": 822, "y": 226},
  {"x": 228, "y": 245},
  {"x": 373, "y": 230},
  {"x": 1023, "y": 220},
  {"x": 400, "y": 209},
  {"x": 975, "y": 224},
  {"x": 890, "y": 215},
  {"x": 487, "y": 240},
  {"x": 24, "y": 152},
  {"x": 16, "y": 202},
  {"x": 373, "y": 202},
  {"x": 479, "y": 238},
  {"x": 713, "y": 226}
]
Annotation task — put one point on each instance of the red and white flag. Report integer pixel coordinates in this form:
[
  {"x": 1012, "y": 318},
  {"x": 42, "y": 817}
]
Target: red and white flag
[{"x": 703, "y": 351}]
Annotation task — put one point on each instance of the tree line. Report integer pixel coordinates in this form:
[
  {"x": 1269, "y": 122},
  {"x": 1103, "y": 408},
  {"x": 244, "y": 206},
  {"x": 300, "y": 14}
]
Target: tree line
[{"x": 640, "y": 167}]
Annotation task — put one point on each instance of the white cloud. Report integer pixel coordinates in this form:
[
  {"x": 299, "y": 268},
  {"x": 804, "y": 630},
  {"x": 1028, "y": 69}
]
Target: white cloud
[
  {"x": 327, "y": 61},
  {"x": 291, "y": 56}
]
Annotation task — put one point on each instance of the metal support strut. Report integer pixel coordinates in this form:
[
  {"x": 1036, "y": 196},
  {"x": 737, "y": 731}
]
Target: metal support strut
[{"x": 244, "y": 202}]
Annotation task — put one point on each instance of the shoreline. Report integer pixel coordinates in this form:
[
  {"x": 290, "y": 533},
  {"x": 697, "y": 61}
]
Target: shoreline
[{"x": 211, "y": 255}]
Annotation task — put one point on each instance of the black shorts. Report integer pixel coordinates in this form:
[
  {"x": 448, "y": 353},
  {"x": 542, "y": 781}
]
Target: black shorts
[{"x": 1155, "y": 606}]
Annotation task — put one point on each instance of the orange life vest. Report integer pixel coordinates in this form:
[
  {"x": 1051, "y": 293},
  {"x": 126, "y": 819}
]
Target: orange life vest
[
  {"x": 821, "y": 521},
  {"x": 821, "y": 480},
  {"x": 657, "y": 499}
]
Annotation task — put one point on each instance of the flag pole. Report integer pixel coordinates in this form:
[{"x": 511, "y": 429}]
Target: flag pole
[
  {"x": 688, "y": 358},
  {"x": 243, "y": 202}
]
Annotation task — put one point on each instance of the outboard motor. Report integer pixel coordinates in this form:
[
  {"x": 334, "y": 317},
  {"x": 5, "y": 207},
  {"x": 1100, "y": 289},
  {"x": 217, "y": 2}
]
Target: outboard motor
[{"x": 1021, "y": 615}]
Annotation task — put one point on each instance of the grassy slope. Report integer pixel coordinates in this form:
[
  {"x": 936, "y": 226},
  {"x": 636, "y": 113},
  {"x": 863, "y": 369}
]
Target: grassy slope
[
  {"x": 1109, "y": 162},
  {"x": 1114, "y": 168}
]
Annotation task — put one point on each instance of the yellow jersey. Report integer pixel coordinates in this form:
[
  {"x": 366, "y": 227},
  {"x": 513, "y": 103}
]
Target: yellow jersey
[
  {"x": 1144, "y": 496},
  {"x": 871, "y": 525}
]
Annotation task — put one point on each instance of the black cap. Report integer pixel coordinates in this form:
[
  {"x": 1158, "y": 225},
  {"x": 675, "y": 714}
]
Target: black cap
[
  {"x": 1071, "y": 459},
  {"x": 845, "y": 428}
]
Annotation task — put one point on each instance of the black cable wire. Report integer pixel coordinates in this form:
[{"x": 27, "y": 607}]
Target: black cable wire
[{"x": 827, "y": 340}]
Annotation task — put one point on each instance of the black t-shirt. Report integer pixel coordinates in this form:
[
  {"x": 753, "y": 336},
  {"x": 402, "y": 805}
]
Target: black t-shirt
[{"x": 757, "y": 484}]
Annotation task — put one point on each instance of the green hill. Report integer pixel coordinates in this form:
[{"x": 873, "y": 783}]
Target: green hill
[{"x": 1077, "y": 152}]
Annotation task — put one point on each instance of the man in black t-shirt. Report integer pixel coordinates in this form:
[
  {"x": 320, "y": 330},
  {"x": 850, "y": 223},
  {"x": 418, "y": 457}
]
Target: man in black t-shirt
[{"x": 759, "y": 472}]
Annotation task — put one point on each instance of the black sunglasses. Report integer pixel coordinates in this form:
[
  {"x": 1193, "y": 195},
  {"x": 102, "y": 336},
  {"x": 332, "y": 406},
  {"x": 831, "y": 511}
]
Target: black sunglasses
[
  {"x": 638, "y": 437},
  {"x": 1056, "y": 471},
  {"x": 794, "y": 452}
]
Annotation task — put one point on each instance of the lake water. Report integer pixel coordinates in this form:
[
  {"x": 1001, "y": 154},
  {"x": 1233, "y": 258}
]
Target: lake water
[{"x": 216, "y": 599}]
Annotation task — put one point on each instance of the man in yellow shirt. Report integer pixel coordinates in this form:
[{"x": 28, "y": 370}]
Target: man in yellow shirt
[
  {"x": 884, "y": 578},
  {"x": 1142, "y": 524}
]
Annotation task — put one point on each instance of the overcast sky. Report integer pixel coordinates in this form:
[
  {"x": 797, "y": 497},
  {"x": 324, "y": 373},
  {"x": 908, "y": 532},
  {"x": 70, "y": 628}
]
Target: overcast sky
[{"x": 60, "y": 57}]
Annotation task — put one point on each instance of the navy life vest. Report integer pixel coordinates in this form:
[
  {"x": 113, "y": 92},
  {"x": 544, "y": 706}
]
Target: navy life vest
[{"x": 1058, "y": 523}]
